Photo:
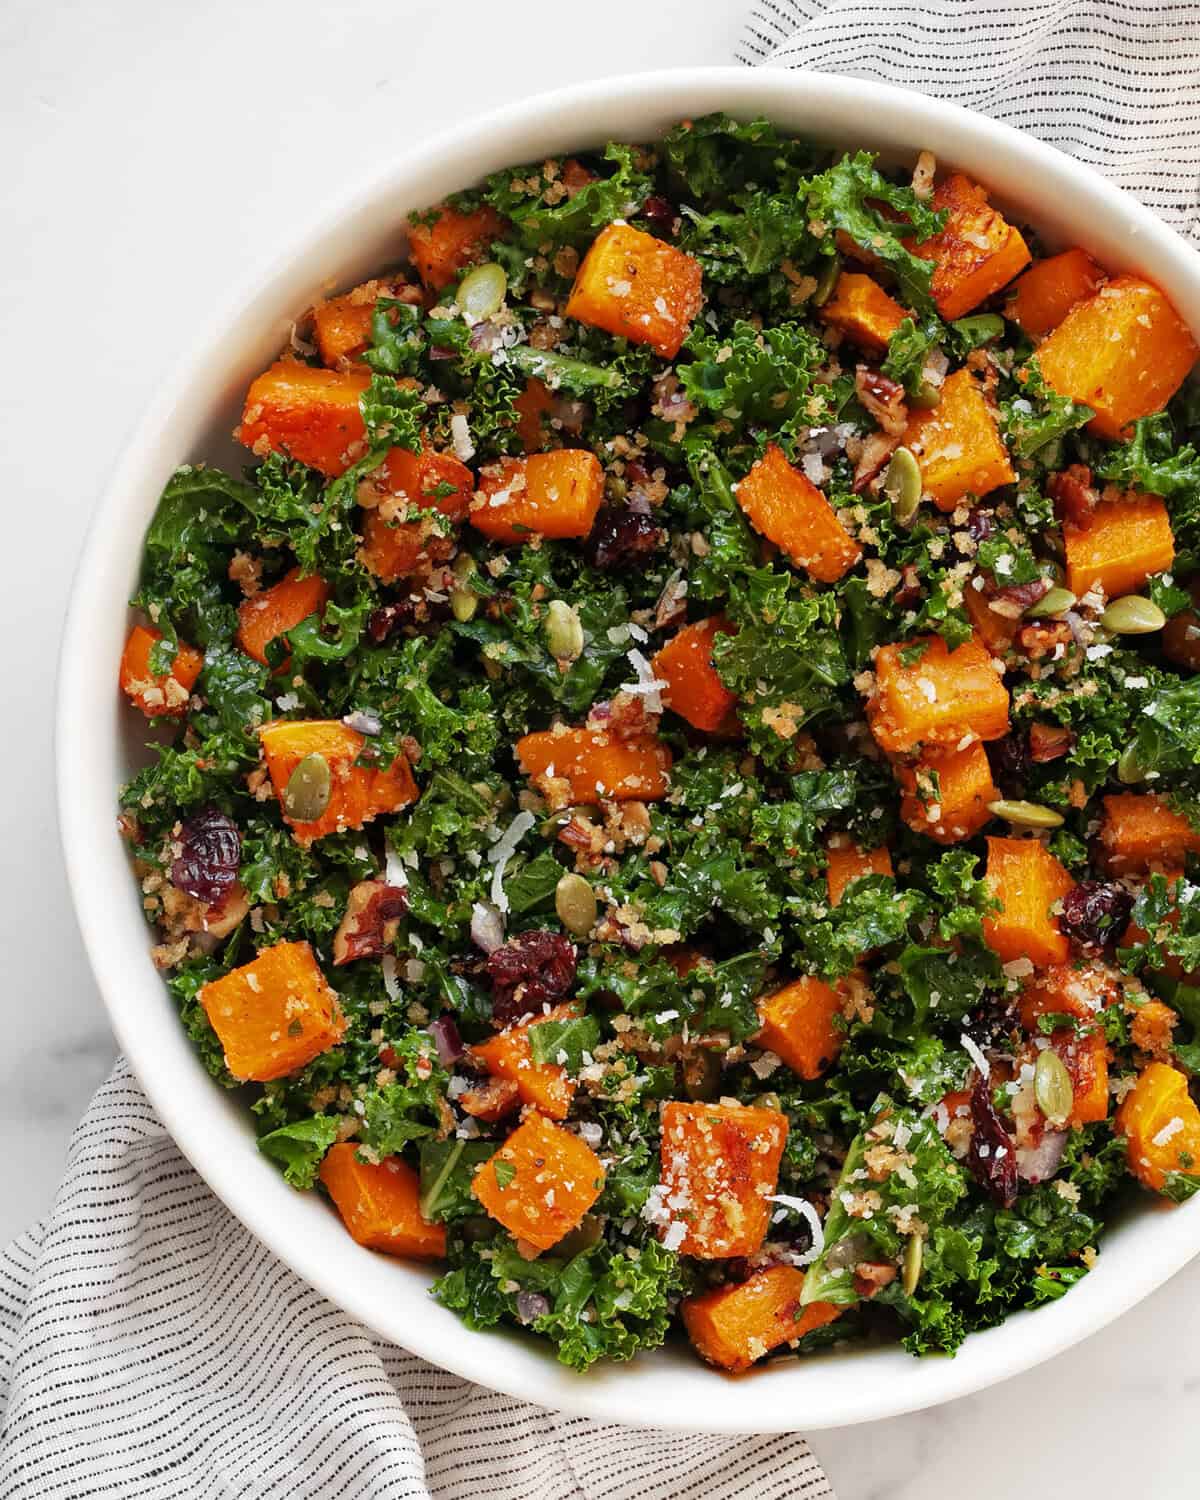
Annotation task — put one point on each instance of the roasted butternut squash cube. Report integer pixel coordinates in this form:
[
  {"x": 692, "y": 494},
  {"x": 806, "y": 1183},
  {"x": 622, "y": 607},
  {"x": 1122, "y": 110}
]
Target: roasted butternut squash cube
[
  {"x": 694, "y": 690},
  {"x": 545, "y": 494},
  {"x": 533, "y": 407},
  {"x": 1124, "y": 352},
  {"x": 637, "y": 287},
  {"x": 1029, "y": 883},
  {"x": 508, "y": 1055},
  {"x": 720, "y": 1164},
  {"x": 946, "y": 793},
  {"x": 936, "y": 698},
  {"x": 540, "y": 1183},
  {"x": 308, "y": 414},
  {"x": 163, "y": 694},
  {"x": 990, "y": 618},
  {"x": 1050, "y": 288},
  {"x": 863, "y": 311},
  {"x": 1070, "y": 990},
  {"x": 265, "y": 616},
  {"x": 958, "y": 445},
  {"x": 1083, "y": 1049},
  {"x": 405, "y": 482},
  {"x": 788, "y": 509},
  {"x": 380, "y": 1204},
  {"x": 1152, "y": 1029},
  {"x": 1119, "y": 546},
  {"x": 975, "y": 253},
  {"x": 444, "y": 242},
  {"x": 357, "y": 793},
  {"x": 802, "y": 1023},
  {"x": 1161, "y": 1126},
  {"x": 734, "y": 1326},
  {"x": 342, "y": 329},
  {"x": 1142, "y": 833},
  {"x": 596, "y": 765},
  {"x": 274, "y": 1014},
  {"x": 846, "y": 863}
]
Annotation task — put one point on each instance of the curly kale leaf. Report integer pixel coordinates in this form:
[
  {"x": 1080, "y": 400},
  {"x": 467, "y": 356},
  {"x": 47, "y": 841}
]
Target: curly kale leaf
[
  {"x": 447, "y": 1168},
  {"x": 786, "y": 661},
  {"x": 407, "y": 1110},
  {"x": 1154, "y": 460},
  {"x": 297, "y": 1148},
  {"x": 715, "y": 157},
  {"x": 542, "y": 212},
  {"x": 764, "y": 377},
  {"x": 604, "y": 1303},
  {"x": 909, "y": 349},
  {"x": 851, "y": 197},
  {"x": 397, "y": 345},
  {"x": 917, "y": 1178},
  {"x": 1035, "y": 416}
]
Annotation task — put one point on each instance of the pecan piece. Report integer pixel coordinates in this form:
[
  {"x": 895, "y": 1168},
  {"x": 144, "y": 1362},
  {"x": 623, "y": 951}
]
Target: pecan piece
[
  {"x": 872, "y": 1276},
  {"x": 368, "y": 927},
  {"x": 492, "y": 1100},
  {"x": 1074, "y": 493},
  {"x": 883, "y": 398},
  {"x": 1049, "y": 742}
]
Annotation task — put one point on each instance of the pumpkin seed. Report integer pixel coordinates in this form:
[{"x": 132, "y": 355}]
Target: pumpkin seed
[
  {"x": 1055, "y": 601},
  {"x": 564, "y": 633},
  {"x": 1133, "y": 615},
  {"x": 308, "y": 790},
  {"x": 827, "y": 279},
  {"x": 464, "y": 601},
  {"x": 902, "y": 485},
  {"x": 1025, "y": 814},
  {"x": 1052, "y": 1087},
  {"x": 481, "y": 291},
  {"x": 1129, "y": 768},
  {"x": 914, "y": 1255},
  {"x": 926, "y": 396},
  {"x": 575, "y": 903}
]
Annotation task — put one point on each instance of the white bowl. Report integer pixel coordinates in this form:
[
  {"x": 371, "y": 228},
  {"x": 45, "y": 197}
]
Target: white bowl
[{"x": 192, "y": 418}]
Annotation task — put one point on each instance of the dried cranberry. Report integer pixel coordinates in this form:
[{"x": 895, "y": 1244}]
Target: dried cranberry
[
  {"x": 1010, "y": 761},
  {"x": 992, "y": 1156},
  {"x": 658, "y": 210},
  {"x": 382, "y": 621},
  {"x": 530, "y": 970},
  {"x": 621, "y": 536},
  {"x": 413, "y": 609},
  {"x": 1094, "y": 914},
  {"x": 211, "y": 849},
  {"x": 979, "y": 524}
]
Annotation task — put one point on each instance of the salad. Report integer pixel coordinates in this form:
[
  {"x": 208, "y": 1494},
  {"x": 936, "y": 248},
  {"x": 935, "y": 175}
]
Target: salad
[{"x": 675, "y": 791}]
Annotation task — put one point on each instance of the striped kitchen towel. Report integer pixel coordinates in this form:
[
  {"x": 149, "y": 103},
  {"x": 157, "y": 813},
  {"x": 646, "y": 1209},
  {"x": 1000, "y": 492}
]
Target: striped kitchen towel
[
  {"x": 151, "y": 1348},
  {"x": 1115, "y": 83}
]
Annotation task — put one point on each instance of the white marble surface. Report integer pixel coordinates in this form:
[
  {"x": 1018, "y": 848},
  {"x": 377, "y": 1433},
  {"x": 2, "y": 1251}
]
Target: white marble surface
[{"x": 152, "y": 154}]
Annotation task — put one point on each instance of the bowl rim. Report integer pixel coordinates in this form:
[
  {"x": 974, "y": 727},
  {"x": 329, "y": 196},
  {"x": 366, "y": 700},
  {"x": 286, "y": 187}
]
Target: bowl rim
[{"x": 185, "y": 1097}]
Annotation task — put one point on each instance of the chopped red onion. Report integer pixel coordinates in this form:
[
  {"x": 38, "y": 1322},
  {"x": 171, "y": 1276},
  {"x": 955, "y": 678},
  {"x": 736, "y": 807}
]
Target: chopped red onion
[
  {"x": 364, "y": 722},
  {"x": 532, "y": 1305},
  {"x": 1039, "y": 1163},
  {"x": 487, "y": 927},
  {"x": 446, "y": 1039}
]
